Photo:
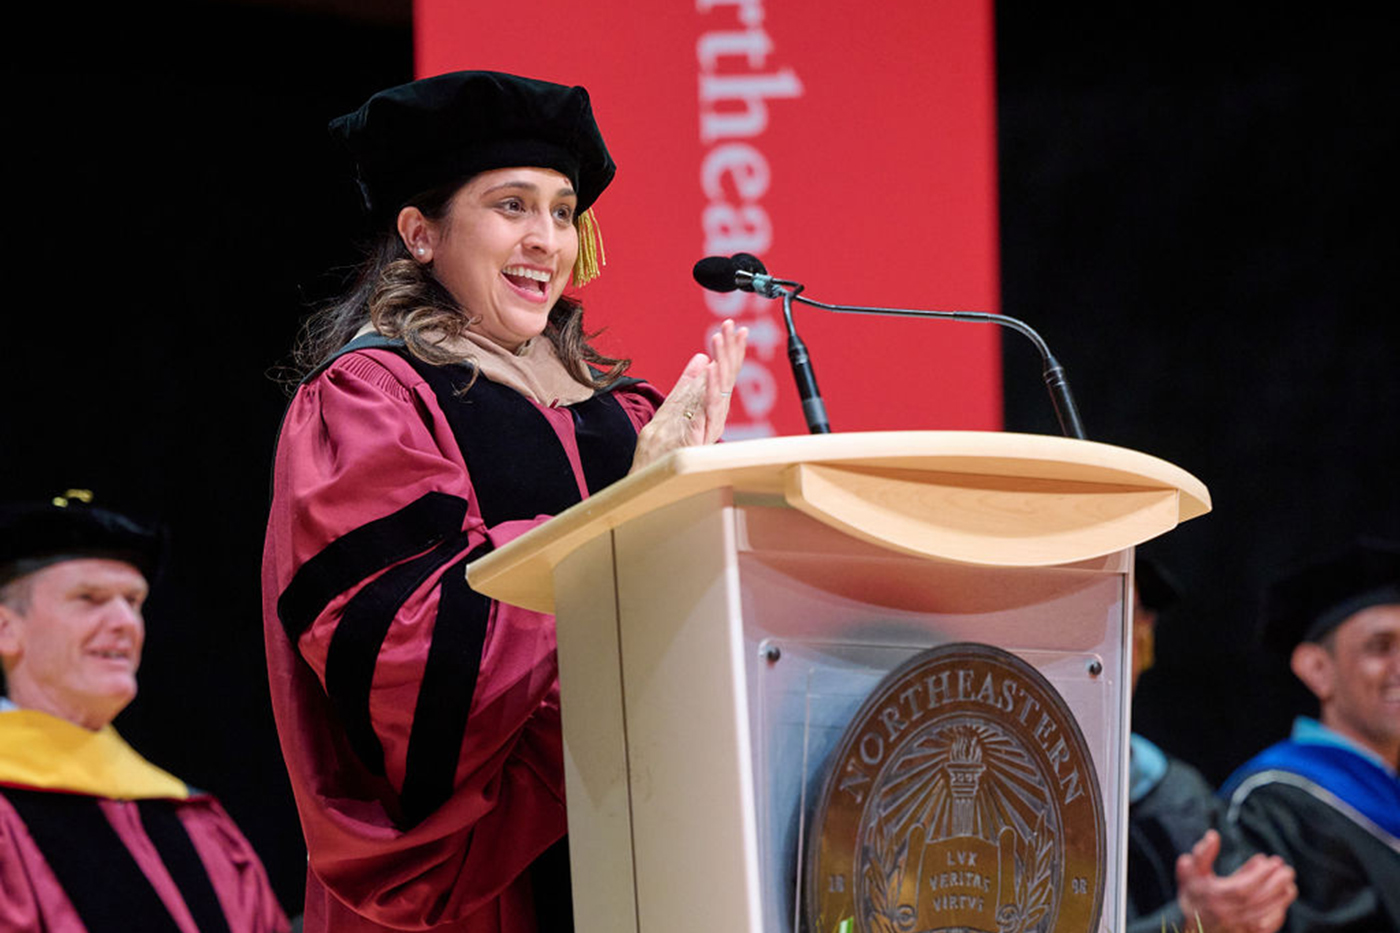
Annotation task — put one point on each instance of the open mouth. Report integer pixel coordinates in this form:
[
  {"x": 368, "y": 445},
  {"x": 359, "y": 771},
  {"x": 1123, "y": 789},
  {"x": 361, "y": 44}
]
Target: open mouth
[{"x": 533, "y": 283}]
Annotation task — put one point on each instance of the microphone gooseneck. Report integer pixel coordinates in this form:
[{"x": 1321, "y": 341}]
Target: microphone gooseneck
[
  {"x": 1052, "y": 373},
  {"x": 758, "y": 280},
  {"x": 813, "y": 408}
]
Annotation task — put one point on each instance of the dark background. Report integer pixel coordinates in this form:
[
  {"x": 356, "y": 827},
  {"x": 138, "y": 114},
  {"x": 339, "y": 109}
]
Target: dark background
[
  {"x": 177, "y": 212},
  {"x": 1197, "y": 214}
]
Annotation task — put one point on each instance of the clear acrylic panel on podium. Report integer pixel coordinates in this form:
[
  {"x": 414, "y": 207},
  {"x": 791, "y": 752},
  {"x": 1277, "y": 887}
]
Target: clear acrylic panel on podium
[{"x": 825, "y": 622}]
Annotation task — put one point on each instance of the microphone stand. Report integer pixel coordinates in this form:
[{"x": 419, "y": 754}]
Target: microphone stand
[
  {"x": 813, "y": 408},
  {"x": 1052, "y": 372}
]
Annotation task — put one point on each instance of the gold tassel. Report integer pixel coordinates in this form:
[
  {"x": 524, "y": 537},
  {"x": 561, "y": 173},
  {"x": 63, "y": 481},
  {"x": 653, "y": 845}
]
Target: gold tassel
[
  {"x": 80, "y": 495},
  {"x": 591, "y": 258}
]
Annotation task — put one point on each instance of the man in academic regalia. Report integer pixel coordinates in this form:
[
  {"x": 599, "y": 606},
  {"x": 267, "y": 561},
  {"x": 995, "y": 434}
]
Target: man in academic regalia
[
  {"x": 92, "y": 836},
  {"x": 1186, "y": 867},
  {"x": 1328, "y": 798}
]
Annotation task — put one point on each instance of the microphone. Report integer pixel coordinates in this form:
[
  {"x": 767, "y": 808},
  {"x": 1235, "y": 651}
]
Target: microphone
[
  {"x": 1052, "y": 373},
  {"x": 722, "y": 274},
  {"x": 746, "y": 271}
]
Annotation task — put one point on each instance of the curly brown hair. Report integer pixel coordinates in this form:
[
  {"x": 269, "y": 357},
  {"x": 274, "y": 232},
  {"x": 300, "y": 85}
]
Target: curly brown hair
[{"x": 403, "y": 299}]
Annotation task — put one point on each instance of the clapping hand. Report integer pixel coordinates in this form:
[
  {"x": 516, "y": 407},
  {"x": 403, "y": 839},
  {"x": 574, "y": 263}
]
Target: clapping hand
[
  {"x": 1254, "y": 899},
  {"x": 696, "y": 407}
]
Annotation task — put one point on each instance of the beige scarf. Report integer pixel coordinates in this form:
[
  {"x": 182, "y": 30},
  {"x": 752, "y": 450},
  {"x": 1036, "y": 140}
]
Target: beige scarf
[{"x": 534, "y": 370}]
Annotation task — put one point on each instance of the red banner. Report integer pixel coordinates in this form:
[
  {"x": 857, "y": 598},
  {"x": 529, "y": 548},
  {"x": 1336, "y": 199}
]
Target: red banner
[{"x": 851, "y": 146}]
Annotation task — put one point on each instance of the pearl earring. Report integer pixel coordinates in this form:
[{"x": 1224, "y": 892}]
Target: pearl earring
[{"x": 421, "y": 251}]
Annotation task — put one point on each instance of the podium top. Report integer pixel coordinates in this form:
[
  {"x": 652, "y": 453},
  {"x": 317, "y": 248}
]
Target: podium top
[{"x": 974, "y": 497}]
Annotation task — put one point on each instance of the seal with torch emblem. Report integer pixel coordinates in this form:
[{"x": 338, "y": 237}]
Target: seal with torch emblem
[{"x": 962, "y": 797}]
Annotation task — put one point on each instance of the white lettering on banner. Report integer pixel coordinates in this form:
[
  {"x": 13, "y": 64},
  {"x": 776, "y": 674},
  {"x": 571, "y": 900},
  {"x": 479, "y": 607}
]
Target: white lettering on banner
[
  {"x": 753, "y": 42},
  {"x": 758, "y": 391},
  {"x": 749, "y": 90},
  {"x": 736, "y": 230},
  {"x": 735, "y": 86},
  {"x": 742, "y": 163},
  {"x": 726, "y": 304}
]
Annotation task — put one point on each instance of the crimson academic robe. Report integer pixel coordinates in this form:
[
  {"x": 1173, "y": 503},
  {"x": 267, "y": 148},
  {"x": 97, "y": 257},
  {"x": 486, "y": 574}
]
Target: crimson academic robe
[
  {"x": 95, "y": 839},
  {"x": 419, "y": 719}
]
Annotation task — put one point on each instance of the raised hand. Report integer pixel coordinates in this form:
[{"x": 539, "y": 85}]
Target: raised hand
[
  {"x": 1253, "y": 899},
  {"x": 696, "y": 407}
]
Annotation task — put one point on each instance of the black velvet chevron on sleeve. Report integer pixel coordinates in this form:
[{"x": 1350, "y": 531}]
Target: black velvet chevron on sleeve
[
  {"x": 355, "y": 645},
  {"x": 445, "y": 696},
  {"x": 363, "y": 552}
]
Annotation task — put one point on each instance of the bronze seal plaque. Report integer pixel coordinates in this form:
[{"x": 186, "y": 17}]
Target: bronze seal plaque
[{"x": 961, "y": 797}]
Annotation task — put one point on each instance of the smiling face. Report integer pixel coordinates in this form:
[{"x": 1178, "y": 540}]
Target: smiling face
[
  {"x": 504, "y": 250},
  {"x": 1355, "y": 674},
  {"x": 71, "y": 641}
]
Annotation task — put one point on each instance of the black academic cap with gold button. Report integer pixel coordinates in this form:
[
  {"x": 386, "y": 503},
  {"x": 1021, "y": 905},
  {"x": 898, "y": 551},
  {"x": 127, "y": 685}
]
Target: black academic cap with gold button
[
  {"x": 1310, "y": 601},
  {"x": 440, "y": 130},
  {"x": 34, "y": 535}
]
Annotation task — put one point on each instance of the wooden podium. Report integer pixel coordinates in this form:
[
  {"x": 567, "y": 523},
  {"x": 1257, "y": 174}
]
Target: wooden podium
[{"x": 723, "y": 615}]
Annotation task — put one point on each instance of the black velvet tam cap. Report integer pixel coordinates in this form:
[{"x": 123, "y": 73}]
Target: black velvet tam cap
[
  {"x": 1312, "y": 600},
  {"x": 435, "y": 131},
  {"x": 34, "y": 535}
]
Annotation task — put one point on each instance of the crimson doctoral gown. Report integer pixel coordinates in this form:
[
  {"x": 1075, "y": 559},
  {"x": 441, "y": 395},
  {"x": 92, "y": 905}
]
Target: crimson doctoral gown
[
  {"x": 419, "y": 719},
  {"x": 95, "y": 839}
]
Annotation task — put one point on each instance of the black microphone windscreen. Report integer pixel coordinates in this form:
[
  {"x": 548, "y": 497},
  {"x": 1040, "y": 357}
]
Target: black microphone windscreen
[
  {"x": 748, "y": 262},
  {"x": 716, "y": 273}
]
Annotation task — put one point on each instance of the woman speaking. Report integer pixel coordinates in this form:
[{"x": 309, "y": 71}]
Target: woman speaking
[{"x": 450, "y": 401}]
